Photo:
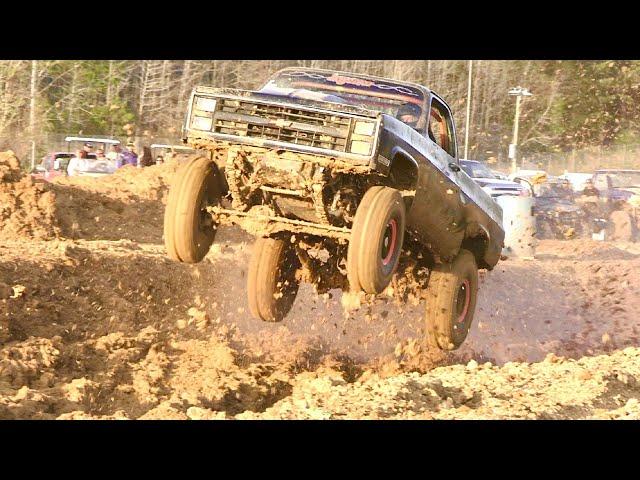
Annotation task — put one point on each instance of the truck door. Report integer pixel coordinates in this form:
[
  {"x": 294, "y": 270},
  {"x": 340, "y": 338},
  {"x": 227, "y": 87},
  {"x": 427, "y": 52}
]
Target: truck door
[{"x": 441, "y": 213}]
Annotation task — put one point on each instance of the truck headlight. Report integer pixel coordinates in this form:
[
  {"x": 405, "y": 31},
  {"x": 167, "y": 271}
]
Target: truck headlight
[
  {"x": 364, "y": 128},
  {"x": 205, "y": 104},
  {"x": 201, "y": 123},
  {"x": 360, "y": 147}
]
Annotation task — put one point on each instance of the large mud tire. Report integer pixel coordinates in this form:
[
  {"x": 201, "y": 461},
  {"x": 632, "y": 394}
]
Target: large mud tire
[
  {"x": 452, "y": 293},
  {"x": 376, "y": 240},
  {"x": 189, "y": 230},
  {"x": 272, "y": 285}
]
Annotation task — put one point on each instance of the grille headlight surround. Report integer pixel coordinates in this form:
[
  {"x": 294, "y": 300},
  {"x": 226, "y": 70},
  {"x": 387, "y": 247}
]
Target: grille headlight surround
[
  {"x": 202, "y": 123},
  {"x": 361, "y": 147},
  {"x": 364, "y": 128},
  {"x": 206, "y": 104}
]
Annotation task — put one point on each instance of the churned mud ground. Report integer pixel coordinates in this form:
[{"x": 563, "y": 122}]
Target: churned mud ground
[{"x": 96, "y": 322}]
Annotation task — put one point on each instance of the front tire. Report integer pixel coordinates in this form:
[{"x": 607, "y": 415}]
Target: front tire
[
  {"x": 189, "y": 229},
  {"x": 272, "y": 285},
  {"x": 376, "y": 240},
  {"x": 451, "y": 301}
]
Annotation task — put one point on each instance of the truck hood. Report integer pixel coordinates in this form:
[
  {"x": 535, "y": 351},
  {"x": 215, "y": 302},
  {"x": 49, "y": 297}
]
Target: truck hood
[
  {"x": 287, "y": 100},
  {"x": 556, "y": 205},
  {"x": 634, "y": 189},
  {"x": 495, "y": 182}
]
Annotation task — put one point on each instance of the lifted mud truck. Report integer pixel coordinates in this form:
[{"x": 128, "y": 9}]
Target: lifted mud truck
[{"x": 337, "y": 174}]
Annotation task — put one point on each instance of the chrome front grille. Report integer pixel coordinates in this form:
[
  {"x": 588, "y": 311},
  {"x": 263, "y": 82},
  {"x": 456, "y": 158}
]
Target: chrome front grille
[{"x": 283, "y": 124}]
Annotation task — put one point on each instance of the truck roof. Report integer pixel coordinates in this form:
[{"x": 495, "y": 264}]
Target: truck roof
[
  {"x": 110, "y": 141},
  {"x": 349, "y": 74}
]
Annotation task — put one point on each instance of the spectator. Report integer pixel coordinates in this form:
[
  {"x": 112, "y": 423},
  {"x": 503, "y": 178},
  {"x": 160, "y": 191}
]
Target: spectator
[
  {"x": 115, "y": 155},
  {"x": 159, "y": 160},
  {"x": 79, "y": 162},
  {"x": 129, "y": 155},
  {"x": 590, "y": 190},
  {"x": 146, "y": 159},
  {"x": 88, "y": 147}
]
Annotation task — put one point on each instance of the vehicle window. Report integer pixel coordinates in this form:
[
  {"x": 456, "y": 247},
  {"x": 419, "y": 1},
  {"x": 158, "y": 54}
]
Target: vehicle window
[
  {"x": 554, "y": 190},
  {"x": 63, "y": 163},
  {"x": 392, "y": 98},
  {"x": 624, "y": 179},
  {"x": 441, "y": 127},
  {"x": 600, "y": 182},
  {"x": 477, "y": 170}
]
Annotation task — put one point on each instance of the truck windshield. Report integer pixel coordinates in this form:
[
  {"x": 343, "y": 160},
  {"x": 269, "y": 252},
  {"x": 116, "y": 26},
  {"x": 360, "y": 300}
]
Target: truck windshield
[
  {"x": 623, "y": 179},
  {"x": 387, "y": 97},
  {"x": 477, "y": 170},
  {"x": 555, "y": 190}
]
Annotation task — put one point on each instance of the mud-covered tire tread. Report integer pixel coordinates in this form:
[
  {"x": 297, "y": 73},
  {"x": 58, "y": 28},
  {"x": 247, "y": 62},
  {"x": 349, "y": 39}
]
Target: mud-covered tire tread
[
  {"x": 367, "y": 233},
  {"x": 354, "y": 241},
  {"x": 183, "y": 239},
  {"x": 441, "y": 295},
  {"x": 170, "y": 209},
  {"x": 268, "y": 259}
]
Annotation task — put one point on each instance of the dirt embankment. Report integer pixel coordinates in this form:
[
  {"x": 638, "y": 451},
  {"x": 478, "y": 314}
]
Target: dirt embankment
[
  {"x": 26, "y": 209},
  {"x": 125, "y": 205},
  {"x": 96, "y": 322}
]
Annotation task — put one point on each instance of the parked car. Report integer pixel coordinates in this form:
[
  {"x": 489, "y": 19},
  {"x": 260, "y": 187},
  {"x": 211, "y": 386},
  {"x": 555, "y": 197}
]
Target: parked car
[
  {"x": 500, "y": 175},
  {"x": 489, "y": 181},
  {"x": 618, "y": 186},
  {"x": 163, "y": 151},
  {"x": 323, "y": 161},
  {"x": 557, "y": 213},
  {"x": 55, "y": 164},
  {"x": 577, "y": 180}
]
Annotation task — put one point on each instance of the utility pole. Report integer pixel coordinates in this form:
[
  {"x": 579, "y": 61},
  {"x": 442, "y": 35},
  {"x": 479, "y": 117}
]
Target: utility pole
[
  {"x": 518, "y": 92},
  {"x": 32, "y": 112},
  {"x": 466, "y": 125}
]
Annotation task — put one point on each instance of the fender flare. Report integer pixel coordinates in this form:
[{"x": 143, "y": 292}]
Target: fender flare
[{"x": 398, "y": 150}]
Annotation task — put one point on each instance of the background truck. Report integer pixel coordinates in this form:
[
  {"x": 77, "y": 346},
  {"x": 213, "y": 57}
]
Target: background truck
[{"x": 337, "y": 175}]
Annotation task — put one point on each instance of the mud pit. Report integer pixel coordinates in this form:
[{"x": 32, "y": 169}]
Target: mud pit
[{"x": 96, "y": 322}]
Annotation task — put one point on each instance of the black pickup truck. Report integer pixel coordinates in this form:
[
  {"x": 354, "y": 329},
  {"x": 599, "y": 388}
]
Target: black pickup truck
[{"x": 336, "y": 174}]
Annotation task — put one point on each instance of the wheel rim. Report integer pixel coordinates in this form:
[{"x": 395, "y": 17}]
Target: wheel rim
[
  {"x": 209, "y": 198},
  {"x": 389, "y": 242},
  {"x": 205, "y": 221},
  {"x": 462, "y": 302}
]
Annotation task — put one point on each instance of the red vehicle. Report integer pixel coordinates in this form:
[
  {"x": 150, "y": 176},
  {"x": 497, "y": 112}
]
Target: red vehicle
[{"x": 55, "y": 164}]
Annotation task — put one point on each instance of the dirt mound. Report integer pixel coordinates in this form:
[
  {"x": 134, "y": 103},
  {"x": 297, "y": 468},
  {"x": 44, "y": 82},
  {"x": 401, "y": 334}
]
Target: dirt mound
[
  {"x": 128, "y": 183},
  {"x": 605, "y": 386},
  {"x": 101, "y": 324},
  {"x": 27, "y": 209},
  {"x": 126, "y": 205},
  {"x": 113, "y": 329}
]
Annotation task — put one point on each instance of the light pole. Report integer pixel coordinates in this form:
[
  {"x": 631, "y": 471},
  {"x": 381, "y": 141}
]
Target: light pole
[
  {"x": 517, "y": 92},
  {"x": 466, "y": 125}
]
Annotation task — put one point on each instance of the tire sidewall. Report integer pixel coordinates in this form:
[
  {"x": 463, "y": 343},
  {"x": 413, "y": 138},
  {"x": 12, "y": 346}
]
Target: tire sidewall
[
  {"x": 377, "y": 228},
  {"x": 364, "y": 260},
  {"x": 460, "y": 330}
]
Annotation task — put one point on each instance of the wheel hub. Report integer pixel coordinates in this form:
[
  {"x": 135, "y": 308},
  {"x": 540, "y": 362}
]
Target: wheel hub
[
  {"x": 462, "y": 302},
  {"x": 389, "y": 241}
]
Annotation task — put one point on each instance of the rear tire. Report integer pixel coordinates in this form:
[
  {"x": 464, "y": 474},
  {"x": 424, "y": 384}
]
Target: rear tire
[
  {"x": 271, "y": 284},
  {"x": 452, "y": 293},
  {"x": 189, "y": 230},
  {"x": 376, "y": 240}
]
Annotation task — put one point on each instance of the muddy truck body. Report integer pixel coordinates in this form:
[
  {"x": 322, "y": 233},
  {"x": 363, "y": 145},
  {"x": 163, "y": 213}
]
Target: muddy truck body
[{"x": 363, "y": 168}]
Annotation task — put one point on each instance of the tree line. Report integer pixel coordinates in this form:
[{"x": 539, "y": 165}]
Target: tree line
[{"x": 575, "y": 103}]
